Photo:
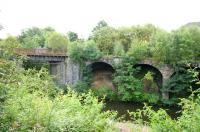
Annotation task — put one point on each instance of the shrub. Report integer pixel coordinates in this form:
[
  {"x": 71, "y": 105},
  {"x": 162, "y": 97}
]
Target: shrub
[
  {"x": 161, "y": 121},
  {"x": 70, "y": 112},
  {"x": 7, "y": 47},
  {"x": 128, "y": 87},
  {"x": 81, "y": 86},
  {"x": 91, "y": 51},
  {"x": 30, "y": 102},
  {"x": 86, "y": 51},
  {"x": 179, "y": 85},
  {"x": 140, "y": 50},
  {"x": 118, "y": 49},
  {"x": 106, "y": 92},
  {"x": 57, "y": 41}
]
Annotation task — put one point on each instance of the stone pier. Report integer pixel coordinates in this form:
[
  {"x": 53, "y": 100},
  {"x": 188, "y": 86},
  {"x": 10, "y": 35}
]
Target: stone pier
[{"x": 65, "y": 72}]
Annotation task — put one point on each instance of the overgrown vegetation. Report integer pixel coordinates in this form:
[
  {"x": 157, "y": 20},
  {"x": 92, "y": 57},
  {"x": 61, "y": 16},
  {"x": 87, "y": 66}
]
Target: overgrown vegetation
[
  {"x": 180, "y": 85},
  {"x": 139, "y": 42},
  {"x": 31, "y": 101},
  {"x": 161, "y": 121},
  {"x": 87, "y": 51},
  {"x": 131, "y": 88}
]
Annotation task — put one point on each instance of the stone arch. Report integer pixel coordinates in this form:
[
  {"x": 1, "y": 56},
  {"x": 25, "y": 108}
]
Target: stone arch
[
  {"x": 157, "y": 75},
  {"x": 101, "y": 74}
]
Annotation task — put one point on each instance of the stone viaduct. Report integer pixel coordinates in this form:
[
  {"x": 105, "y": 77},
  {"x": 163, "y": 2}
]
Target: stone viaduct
[{"x": 67, "y": 72}]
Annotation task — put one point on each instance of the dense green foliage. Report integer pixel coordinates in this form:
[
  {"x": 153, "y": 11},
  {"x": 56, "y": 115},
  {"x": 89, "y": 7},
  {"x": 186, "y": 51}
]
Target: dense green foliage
[
  {"x": 86, "y": 51},
  {"x": 31, "y": 102},
  {"x": 105, "y": 37},
  {"x": 72, "y": 36},
  {"x": 33, "y": 37},
  {"x": 131, "y": 88},
  {"x": 140, "y": 42},
  {"x": 57, "y": 41},
  {"x": 7, "y": 47},
  {"x": 144, "y": 42},
  {"x": 105, "y": 92},
  {"x": 160, "y": 121},
  {"x": 179, "y": 85}
]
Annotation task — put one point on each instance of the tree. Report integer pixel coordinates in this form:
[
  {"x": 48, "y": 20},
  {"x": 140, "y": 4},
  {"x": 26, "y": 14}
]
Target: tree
[
  {"x": 126, "y": 36},
  {"x": 86, "y": 51},
  {"x": 100, "y": 25},
  {"x": 161, "y": 44},
  {"x": 105, "y": 38},
  {"x": 72, "y": 36},
  {"x": 7, "y": 46},
  {"x": 32, "y": 38},
  {"x": 186, "y": 43},
  {"x": 139, "y": 50},
  {"x": 48, "y": 29},
  {"x": 35, "y": 37},
  {"x": 144, "y": 33},
  {"x": 91, "y": 51},
  {"x": 57, "y": 41}
]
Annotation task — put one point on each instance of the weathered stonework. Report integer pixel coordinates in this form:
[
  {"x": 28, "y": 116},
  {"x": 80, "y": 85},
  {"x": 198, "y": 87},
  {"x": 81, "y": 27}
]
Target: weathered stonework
[
  {"x": 68, "y": 72},
  {"x": 65, "y": 72}
]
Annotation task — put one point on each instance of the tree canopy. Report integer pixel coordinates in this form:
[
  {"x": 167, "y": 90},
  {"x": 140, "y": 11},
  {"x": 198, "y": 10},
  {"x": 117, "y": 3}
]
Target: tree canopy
[
  {"x": 72, "y": 36},
  {"x": 57, "y": 41},
  {"x": 141, "y": 42}
]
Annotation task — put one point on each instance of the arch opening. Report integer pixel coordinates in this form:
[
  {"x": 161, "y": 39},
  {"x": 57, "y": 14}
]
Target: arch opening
[
  {"x": 101, "y": 75},
  {"x": 149, "y": 86},
  {"x": 181, "y": 82}
]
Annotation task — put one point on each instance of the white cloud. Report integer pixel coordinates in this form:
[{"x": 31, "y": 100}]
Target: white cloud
[{"x": 82, "y": 15}]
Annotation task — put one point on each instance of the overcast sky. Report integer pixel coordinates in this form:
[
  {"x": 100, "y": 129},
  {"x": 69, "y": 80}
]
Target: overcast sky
[{"x": 82, "y": 15}]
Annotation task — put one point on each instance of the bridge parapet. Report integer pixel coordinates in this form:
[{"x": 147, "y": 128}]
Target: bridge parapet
[{"x": 42, "y": 54}]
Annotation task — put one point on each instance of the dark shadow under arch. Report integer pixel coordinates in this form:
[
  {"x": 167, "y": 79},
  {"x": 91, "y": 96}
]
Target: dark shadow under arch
[
  {"x": 182, "y": 77},
  {"x": 101, "y": 74}
]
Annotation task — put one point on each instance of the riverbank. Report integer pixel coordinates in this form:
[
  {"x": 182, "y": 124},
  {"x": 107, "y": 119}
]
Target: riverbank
[{"x": 122, "y": 108}]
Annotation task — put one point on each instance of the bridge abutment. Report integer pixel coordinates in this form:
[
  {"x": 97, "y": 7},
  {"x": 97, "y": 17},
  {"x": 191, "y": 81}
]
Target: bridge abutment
[{"x": 65, "y": 72}]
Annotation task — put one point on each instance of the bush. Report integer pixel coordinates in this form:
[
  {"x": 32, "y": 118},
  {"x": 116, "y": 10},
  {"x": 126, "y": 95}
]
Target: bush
[
  {"x": 91, "y": 51},
  {"x": 106, "y": 92},
  {"x": 57, "y": 41},
  {"x": 81, "y": 86},
  {"x": 118, "y": 49},
  {"x": 128, "y": 87},
  {"x": 30, "y": 102},
  {"x": 76, "y": 52},
  {"x": 87, "y": 51},
  {"x": 70, "y": 112},
  {"x": 161, "y": 121},
  {"x": 179, "y": 85},
  {"x": 7, "y": 47},
  {"x": 140, "y": 50}
]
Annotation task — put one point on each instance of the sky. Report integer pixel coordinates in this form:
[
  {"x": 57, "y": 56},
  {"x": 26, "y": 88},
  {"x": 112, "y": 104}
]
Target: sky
[{"x": 81, "y": 16}]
